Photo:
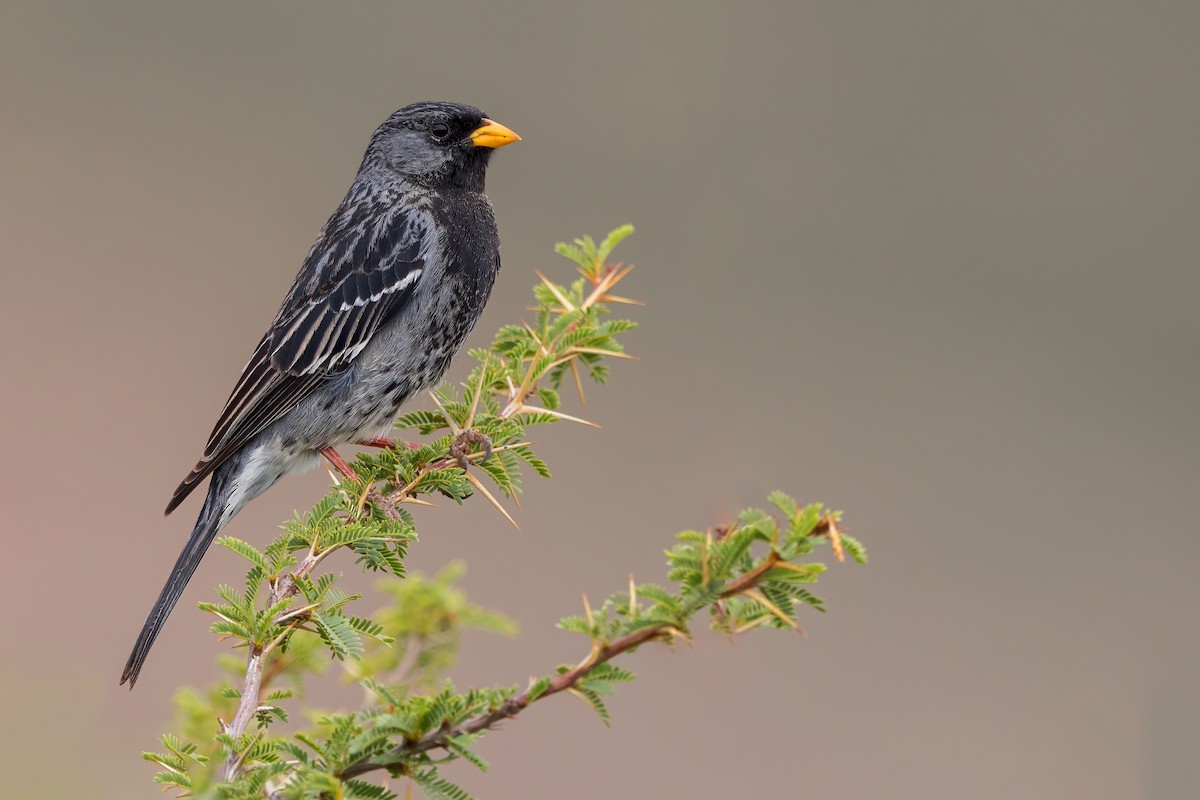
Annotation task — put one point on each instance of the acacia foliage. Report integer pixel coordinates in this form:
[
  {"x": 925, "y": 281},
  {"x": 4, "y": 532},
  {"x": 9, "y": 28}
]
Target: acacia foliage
[{"x": 293, "y": 619}]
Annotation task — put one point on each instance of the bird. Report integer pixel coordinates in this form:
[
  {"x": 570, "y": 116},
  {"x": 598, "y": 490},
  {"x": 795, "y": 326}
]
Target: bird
[{"x": 396, "y": 279}]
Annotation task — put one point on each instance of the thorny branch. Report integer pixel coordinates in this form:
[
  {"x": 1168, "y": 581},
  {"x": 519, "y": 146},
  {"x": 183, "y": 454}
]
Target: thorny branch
[
  {"x": 601, "y": 653},
  {"x": 282, "y": 587},
  {"x": 516, "y": 397},
  {"x": 516, "y": 401}
]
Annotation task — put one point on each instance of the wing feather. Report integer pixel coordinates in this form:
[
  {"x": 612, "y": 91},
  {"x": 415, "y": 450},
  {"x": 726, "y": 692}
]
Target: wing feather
[{"x": 362, "y": 270}]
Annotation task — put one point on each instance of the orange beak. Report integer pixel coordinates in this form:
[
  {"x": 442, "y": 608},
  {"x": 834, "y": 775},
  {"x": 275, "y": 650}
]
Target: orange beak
[{"x": 493, "y": 134}]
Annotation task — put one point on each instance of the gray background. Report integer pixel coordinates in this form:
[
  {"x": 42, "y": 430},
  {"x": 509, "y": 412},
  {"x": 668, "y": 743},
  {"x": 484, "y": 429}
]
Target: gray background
[{"x": 932, "y": 263}]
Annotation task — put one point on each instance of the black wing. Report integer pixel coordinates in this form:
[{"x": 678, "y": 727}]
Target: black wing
[{"x": 362, "y": 269}]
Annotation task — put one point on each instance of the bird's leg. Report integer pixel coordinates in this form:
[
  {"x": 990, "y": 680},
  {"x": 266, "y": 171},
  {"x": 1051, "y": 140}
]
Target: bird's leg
[
  {"x": 462, "y": 446},
  {"x": 384, "y": 443},
  {"x": 338, "y": 462}
]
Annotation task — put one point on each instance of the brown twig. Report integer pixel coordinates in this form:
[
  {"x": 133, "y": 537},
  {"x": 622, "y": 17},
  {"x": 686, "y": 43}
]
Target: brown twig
[{"x": 601, "y": 653}]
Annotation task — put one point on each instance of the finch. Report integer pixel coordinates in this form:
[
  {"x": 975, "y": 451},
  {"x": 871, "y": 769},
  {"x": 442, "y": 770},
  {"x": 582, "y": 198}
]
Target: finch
[{"x": 395, "y": 281}]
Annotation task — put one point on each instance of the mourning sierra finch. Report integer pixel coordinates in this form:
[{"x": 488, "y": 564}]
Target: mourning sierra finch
[{"x": 395, "y": 281}]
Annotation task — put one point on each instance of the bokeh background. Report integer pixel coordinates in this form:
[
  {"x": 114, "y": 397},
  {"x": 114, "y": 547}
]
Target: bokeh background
[{"x": 931, "y": 263}]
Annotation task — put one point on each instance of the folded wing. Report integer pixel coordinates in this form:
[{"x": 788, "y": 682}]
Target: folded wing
[{"x": 361, "y": 272}]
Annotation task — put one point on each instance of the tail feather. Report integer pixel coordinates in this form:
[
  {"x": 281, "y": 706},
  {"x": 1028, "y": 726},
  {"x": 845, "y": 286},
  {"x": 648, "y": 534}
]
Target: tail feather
[
  {"x": 198, "y": 473},
  {"x": 207, "y": 527}
]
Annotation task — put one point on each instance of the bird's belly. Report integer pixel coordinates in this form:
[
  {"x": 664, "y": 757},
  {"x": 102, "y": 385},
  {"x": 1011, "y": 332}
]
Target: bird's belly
[{"x": 363, "y": 402}]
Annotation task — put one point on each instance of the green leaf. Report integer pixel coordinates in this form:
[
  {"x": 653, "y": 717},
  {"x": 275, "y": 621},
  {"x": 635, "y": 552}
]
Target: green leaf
[
  {"x": 592, "y": 699},
  {"x": 609, "y": 673},
  {"x": 437, "y": 788},
  {"x": 361, "y": 790},
  {"x": 614, "y": 238},
  {"x": 497, "y": 470},
  {"x": 340, "y": 637},
  {"x": 371, "y": 628},
  {"x": 855, "y": 548},
  {"x": 459, "y": 745},
  {"x": 784, "y": 503},
  {"x": 575, "y": 624},
  {"x": 538, "y": 688},
  {"x": 573, "y": 252},
  {"x": 539, "y": 466},
  {"x": 426, "y": 422},
  {"x": 246, "y": 551},
  {"x": 807, "y": 520},
  {"x": 615, "y": 326},
  {"x": 378, "y": 557}
]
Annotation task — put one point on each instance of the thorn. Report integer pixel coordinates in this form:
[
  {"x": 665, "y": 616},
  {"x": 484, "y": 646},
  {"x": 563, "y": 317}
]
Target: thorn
[
  {"x": 675, "y": 633},
  {"x": 619, "y": 273},
  {"x": 556, "y": 292},
  {"x": 295, "y": 612},
  {"x": 762, "y": 600},
  {"x": 582, "y": 697},
  {"x": 749, "y": 626},
  {"x": 454, "y": 428},
  {"x": 802, "y": 569},
  {"x": 608, "y": 353},
  {"x": 578, "y": 383},
  {"x": 416, "y": 501},
  {"x": 533, "y": 335},
  {"x": 483, "y": 490},
  {"x": 560, "y": 415},
  {"x": 362, "y": 500},
  {"x": 835, "y": 538},
  {"x": 609, "y": 280},
  {"x": 502, "y": 448},
  {"x": 587, "y": 609},
  {"x": 478, "y": 391}
]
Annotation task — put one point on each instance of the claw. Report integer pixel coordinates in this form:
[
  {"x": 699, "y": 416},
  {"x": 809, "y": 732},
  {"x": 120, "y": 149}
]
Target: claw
[{"x": 462, "y": 447}]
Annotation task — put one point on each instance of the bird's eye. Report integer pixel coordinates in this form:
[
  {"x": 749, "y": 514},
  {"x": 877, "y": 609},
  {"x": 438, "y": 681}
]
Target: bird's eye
[{"x": 439, "y": 130}]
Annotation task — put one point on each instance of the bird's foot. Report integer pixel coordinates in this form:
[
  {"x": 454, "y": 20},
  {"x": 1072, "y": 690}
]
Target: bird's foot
[
  {"x": 338, "y": 462},
  {"x": 384, "y": 443},
  {"x": 462, "y": 446}
]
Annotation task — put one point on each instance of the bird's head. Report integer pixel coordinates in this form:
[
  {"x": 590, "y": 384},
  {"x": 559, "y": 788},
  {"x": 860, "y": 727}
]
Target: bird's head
[{"x": 440, "y": 145}]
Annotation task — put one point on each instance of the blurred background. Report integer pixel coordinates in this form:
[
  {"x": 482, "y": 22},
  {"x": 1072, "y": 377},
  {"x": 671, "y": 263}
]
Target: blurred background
[{"x": 928, "y": 263}]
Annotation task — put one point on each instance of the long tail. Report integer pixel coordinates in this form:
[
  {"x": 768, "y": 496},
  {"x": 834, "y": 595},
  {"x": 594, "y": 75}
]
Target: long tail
[{"x": 207, "y": 527}]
